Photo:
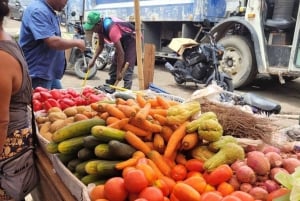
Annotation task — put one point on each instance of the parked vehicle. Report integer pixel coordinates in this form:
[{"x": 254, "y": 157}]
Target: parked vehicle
[
  {"x": 263, "y": 41},
  {"x": 17, "y": 8},
  {"x": 78, "y": 60},
  {"x": 199, "y": 63}
]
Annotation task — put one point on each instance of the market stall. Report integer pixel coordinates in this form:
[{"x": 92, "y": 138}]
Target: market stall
[{"x": 226, "y": 148}]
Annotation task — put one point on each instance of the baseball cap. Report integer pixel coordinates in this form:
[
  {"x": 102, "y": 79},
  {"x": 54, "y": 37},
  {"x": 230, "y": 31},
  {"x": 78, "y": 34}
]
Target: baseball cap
[{"x": 92, "y": 19}]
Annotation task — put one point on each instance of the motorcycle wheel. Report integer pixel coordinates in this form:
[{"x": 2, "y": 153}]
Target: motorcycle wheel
[
  {"x": 80, "y": 69},
  {"x": 177, "y": 76},
  {"x": 100, "y": 63}
]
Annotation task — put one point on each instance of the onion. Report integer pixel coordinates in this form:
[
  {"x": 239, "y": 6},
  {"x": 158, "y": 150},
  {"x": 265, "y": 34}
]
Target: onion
[
  {"x": 234, "y": 182},
  {"x": 274, "y": 158},
  {"x": 245, "y": 174},
  {"x": 275, "y": 170},
  {"x": 258, "y": 162},
  {"x": 290, "y": 164},
  {"x": 271, "y": 185},
  {"x": 259, "y": 193},
  {"x": 246, "y": 187},
  {"x": 237, "y": 164},
  {"x": 270, "y": 148}
]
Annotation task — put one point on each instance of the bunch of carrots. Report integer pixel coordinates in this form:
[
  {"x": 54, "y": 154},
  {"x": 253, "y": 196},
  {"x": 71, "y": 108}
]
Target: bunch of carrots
[{"x": 147, "y": 126}]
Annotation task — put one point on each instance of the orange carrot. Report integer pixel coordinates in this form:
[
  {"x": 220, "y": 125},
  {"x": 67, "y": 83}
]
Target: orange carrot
[
  {"x": 160, "y": 118},
  {"x": 166, "y": 132},
  {"x": 127, "y": 163},
  {"x": 136, "y": 130},
  {"x": 160, "y": 162},
  {"x": 110, "y": 120},
  {"x": 143, "y": 112},
  {"x": 136, "y": 142},
  {"x": 140, "y": 100},
  {"x": 150, "y": 145},
  {"x": 152, "y": 127},
  {"x": 132, "y": 102},
  {"x": 127, "y": 110},
  {"x": 119, "y": 124},
  {"x": 155, "y": 168},
  {"x": 180, "y": 159},
  {"x": 175, "y": 139},
  {"x": 189, "y": 141},
  {"x": 104, "y": 115},
  {"x": 120, "y": 101},
  {"x": 160, "y": 111},
  {"x": 153, "y": 102},
  {"x": 162, "y": 102},
  {"x": 114, "y": 111},
  {"x": 159, "y": 143}
]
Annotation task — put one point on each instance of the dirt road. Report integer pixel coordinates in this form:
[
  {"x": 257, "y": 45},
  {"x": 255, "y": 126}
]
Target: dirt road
[{"x": 288, "y": 95}]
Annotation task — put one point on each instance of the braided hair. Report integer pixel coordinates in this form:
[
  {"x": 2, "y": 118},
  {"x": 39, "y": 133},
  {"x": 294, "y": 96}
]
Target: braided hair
[{"x": 4, "y": 9}]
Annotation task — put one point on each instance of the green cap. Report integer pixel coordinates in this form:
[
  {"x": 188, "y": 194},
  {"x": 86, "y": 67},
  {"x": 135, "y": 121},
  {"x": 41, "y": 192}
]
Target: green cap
[{"x": 92, "y": 19}]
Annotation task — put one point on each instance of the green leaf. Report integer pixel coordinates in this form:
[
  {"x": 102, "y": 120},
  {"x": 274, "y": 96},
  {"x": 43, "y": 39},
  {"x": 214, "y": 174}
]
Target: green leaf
[{"x": 285, "y": 179}]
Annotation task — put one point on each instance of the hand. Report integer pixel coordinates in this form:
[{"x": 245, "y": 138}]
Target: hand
[
  {"x": 80, "y": 44},
  {"x": 91, "y": 64}
]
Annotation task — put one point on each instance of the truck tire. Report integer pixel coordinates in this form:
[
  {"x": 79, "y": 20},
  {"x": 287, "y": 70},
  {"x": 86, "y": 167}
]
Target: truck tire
[
  {"x": 238, "y": 60},
  {"x": 80, "y": 69}
]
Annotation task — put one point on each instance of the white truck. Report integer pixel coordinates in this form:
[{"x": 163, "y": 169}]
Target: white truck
[
  {"x": 162, "y": 20},
  {"x": 264, "y": 40}
]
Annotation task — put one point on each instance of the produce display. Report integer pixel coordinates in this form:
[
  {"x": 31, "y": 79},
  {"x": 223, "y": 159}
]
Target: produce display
[{"x": 150, "y": 148}]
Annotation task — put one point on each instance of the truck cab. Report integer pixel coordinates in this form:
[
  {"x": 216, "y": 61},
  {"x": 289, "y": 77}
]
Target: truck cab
[{"x": 264, "y": 40}]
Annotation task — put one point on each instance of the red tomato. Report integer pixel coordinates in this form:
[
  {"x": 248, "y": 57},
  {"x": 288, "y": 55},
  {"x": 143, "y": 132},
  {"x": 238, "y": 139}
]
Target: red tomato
[
  {"x": 45, "y": 95},
  {"x": 37, "y": 105},
  {"x": 56, "y": 94},
  {"x": 36, "y": 96},
  {"x": 39, "y": 89}
]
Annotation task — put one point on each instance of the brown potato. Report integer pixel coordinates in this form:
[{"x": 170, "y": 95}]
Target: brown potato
[
  {"x": 70, "y": 111},
  {"x": 56, "y": 115},
  {"x": 57, "y": 125}
]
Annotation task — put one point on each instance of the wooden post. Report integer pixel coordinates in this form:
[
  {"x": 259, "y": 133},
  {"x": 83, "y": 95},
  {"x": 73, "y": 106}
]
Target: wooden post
[
  {"x": 139, "y": 44},
  {"x": 149, "y": 63}
]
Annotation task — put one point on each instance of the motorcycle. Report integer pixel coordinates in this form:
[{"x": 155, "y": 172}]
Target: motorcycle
[
  {"x": 78, "y": 61},
  {"x": 199, "y": 62},
  {"x": 105, "y": 58}
]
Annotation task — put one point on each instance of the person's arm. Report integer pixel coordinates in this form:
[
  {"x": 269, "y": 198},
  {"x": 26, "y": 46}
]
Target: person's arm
[
  {"x": 98, "y": 50},
  {"x": 9, "y": 67},
  {"x": 59, "y": 43},
  {"x": 120, "y": 58}
]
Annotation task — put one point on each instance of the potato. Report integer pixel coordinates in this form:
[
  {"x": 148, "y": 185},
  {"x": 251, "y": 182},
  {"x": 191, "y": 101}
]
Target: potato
[
  {"x": 54, "y": 109},
  {"x": 56, "y": 115},
  {"x": 83, "y": 108},
  {"x": 79, "y": 117},
  {"x": 41, "y": 120},
  {"x": 44, "y": 128},
  {"x": 57, "y": 125},
  {"x": 47, "y": 136},
  {"x": 70, "y": 111}
]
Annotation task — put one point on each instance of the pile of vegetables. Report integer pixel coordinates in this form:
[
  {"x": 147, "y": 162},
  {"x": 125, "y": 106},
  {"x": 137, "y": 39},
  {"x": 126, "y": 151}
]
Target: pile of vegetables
[
  {"x": 139, "y": 149},
  {"x": 44, "y": 99}
]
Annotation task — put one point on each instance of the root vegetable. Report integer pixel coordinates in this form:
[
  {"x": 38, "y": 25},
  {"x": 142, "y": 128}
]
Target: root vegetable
[
  {"x": 270, "y": 148},
  {"x": 246, "y": 174},
  {"x": 275, "y": 170},
  {"x": 271, "y": 185},
  {"x": 290, "y": 164},
  {"x": 274, "y": 158},
  {"x": 237, "y": 164},
  {"x": 234, "y": 182},
  {"x": 259, "y": 193},
  {"x": 258, "y": 162},
  {"x": 246, "y": 187}
]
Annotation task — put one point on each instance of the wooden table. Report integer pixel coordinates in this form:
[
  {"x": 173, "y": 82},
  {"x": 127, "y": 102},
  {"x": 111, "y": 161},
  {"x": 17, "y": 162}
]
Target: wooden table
[{"x": 51, "y": 186}]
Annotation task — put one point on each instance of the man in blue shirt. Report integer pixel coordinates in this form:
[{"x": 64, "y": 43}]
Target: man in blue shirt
[{"x": 43, "y": 47}]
